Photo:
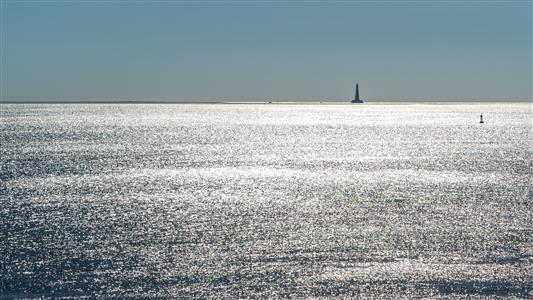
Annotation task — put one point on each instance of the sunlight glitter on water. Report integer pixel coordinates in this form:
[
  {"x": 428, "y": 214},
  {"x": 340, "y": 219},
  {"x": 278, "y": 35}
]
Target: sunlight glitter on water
[{"x": 234, "y": 201}]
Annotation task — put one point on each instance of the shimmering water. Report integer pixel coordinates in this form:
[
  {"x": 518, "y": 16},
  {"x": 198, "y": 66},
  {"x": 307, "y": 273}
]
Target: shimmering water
[{"x": 236, "y": 201}]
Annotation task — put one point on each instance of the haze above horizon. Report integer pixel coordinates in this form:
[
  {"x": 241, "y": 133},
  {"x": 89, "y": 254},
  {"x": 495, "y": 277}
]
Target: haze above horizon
[{"x": 265, "y": 50}]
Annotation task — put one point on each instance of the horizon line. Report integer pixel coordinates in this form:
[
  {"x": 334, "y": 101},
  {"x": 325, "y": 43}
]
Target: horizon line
[{"x": 273, "y": 101}]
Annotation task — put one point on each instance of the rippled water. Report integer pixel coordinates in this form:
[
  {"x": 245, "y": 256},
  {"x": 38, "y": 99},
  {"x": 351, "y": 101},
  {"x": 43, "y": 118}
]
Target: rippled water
[{"x": 235, "y": 201}]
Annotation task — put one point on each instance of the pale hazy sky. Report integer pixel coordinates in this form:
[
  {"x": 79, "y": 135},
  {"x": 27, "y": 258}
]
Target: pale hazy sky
[{"x": 266, "y": 50}]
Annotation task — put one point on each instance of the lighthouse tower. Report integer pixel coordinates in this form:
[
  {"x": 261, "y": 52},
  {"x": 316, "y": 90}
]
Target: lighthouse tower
[{"x": 357, "y": 99}]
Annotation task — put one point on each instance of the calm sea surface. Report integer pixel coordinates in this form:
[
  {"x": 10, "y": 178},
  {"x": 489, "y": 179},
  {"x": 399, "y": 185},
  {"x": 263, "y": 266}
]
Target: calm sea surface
[{"x": 236, "y": 201}]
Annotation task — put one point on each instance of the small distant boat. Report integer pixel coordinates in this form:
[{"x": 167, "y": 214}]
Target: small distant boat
[{"x": 481, "y": 119}]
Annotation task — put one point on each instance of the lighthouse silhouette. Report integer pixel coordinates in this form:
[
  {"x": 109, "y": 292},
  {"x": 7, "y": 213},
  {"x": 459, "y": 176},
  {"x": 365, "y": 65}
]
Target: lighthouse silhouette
[{"x": 357, "y": 99}]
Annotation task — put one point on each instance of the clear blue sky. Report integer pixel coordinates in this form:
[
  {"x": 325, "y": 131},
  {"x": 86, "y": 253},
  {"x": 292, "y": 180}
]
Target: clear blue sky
[{"x": 240, "y": 50}]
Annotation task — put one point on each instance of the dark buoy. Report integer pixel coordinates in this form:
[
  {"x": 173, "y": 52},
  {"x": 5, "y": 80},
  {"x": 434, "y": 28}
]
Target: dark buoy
[{"x": 481, "y": 119}]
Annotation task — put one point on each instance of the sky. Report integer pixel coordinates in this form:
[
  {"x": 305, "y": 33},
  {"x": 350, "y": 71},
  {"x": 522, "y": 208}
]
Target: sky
[{"x": 240, "y": 50}]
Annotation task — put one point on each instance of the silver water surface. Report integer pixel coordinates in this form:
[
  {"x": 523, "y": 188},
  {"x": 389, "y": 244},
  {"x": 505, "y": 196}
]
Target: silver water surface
[{"x": 235, "y": 201}]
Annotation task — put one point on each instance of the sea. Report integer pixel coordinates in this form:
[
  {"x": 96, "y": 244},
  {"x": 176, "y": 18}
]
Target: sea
[{"x": 236, "y": 201}]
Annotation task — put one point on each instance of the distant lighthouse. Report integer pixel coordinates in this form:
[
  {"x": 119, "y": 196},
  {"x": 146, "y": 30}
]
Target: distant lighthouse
[{"x": 357, "y": 99}]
